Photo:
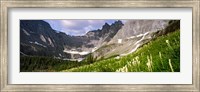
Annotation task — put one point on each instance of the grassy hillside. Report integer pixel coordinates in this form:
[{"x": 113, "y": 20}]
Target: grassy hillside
[{"x": 159, "y": 55}]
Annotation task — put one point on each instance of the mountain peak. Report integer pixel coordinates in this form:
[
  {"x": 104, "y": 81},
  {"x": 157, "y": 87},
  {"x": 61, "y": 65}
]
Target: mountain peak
[
  {"x": 118, "y": 22},
  {"x": 105, "y": 26}
]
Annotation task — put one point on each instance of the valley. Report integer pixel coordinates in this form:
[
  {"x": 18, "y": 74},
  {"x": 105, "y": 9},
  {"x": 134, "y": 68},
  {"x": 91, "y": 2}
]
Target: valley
[{"x": 133, "y": 46}]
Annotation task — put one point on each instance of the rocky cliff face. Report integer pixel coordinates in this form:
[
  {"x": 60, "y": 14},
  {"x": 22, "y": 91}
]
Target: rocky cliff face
[
  {"x": 136, "y": 27},
  {"x": 38, "y": 38},
  {"x": 134, "y": 34},
  {"x": 104, "y": 35}
]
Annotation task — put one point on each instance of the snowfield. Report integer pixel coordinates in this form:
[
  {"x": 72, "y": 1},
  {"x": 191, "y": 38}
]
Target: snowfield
[{"x": 76, "y": 52}]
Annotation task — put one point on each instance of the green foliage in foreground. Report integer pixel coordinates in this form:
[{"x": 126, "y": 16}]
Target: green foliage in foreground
[
  {"x": 46, "y": 64},
  {"x": 159, "y": 55}
]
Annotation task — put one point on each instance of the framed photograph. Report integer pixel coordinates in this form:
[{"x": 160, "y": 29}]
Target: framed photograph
[{"x": 99, "y": 45}]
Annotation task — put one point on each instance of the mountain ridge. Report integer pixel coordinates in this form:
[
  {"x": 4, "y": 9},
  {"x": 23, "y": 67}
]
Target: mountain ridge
[{"x": 38, "y": 38}]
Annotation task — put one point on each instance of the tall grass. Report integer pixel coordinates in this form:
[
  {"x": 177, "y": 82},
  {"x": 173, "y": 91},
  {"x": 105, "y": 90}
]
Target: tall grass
[{"x": 159, "y": 55}]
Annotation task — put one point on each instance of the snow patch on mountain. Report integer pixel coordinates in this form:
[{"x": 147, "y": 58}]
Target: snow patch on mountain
[
  {"x": 133, "y": 50},
  {"x": 42, "y": 38},
  {"x": 23, "y": 53},
  {"x": 38, "y": 44},
  {"x": 26, "y": 32},
  {"x": 50, "y": 42},
  {"x": 94, "y": 49},
  {"x": 76, "y": 52}
]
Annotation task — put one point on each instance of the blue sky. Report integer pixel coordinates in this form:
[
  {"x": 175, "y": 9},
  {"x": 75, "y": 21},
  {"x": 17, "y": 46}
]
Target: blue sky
[{"x": 77, "y": 27}]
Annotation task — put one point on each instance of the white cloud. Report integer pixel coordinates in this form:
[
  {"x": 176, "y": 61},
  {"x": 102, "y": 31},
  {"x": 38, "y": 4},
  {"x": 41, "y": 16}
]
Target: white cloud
[
  {"x": 77, "y": 27},
  {"x": 67, "y": 23}
]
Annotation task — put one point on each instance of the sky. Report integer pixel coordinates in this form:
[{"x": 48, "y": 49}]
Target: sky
[{"x": 77, "y": 27}]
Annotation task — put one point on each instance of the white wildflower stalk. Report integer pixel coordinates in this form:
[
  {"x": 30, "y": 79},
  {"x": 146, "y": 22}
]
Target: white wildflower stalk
[
  {"x": 170, "y": 64},
  {"x": 132, "y": 64},
  {"x": 138, "y": 62},
  {"x": 126, "y": 68},
  {"x": 123, "y": 69},
  {"x": 149, "y": 64},
  {"x": 118, "y": 70},
  {"x": 134, "y": 61},
  {"x": 151, "y": 58},
  {"x": 168, "y": 44},
  {"x": 160, "y": 55}
]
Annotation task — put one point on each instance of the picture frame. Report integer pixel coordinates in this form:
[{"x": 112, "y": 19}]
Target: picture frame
[{"x": 7, "y": 4}]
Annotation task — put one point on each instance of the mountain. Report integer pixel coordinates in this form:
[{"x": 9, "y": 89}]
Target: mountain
[
  {"x": 161, "y": 54},
  {"x": 37, "y": 38},
  {"x": 100, "y": 37},
  {"x": 136, "y": 27},
  {"x": 134, "y": 34}
]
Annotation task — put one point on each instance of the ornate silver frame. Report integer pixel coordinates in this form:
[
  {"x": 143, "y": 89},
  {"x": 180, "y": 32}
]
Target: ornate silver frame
[{"x": 6, "y": 4}]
